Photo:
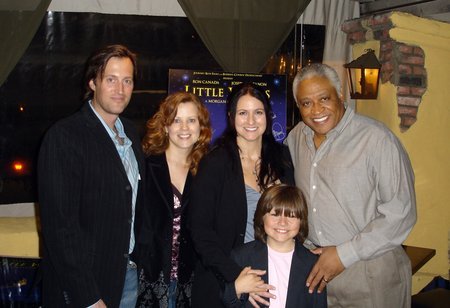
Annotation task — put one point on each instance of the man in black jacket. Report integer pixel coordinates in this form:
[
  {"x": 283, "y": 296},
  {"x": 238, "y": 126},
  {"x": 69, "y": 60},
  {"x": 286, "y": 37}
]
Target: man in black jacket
[{"x": 89, "y": 171}]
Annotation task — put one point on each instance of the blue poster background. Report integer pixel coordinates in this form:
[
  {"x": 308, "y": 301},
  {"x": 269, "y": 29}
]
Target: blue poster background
[{"x": 213, "y": 88}]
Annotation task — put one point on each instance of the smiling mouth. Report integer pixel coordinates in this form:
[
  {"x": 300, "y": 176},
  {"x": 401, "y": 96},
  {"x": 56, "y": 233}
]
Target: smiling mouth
[
  {"x": 320, "y": 120},
  {"x": 184, "y": 136},
  {"x": 251, "y": 129},
  {"x": 281, "y": 231}
]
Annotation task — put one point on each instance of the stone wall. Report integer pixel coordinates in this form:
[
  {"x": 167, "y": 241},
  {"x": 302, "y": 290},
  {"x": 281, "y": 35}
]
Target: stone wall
[{"x": 402, "y": 64}]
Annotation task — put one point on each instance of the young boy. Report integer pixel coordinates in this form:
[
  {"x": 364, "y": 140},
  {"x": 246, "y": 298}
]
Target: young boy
[{"x": 281, "y": 226}]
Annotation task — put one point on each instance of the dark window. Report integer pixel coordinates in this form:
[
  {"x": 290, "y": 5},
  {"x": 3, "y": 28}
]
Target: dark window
[{"x": 46, "y": 85}]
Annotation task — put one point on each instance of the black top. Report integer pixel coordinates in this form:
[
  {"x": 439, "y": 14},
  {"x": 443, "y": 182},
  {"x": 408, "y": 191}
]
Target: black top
[
  {"x": 218, "y": 218},
  {"x": 155, "y": 241}
]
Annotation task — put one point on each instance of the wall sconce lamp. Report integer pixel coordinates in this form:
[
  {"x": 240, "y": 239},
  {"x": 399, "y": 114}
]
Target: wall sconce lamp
[{"x": 364, "y": 75}]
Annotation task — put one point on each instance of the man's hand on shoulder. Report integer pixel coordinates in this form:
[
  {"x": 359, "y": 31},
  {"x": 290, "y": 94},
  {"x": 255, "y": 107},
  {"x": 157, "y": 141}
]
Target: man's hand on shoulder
[{"x": 327, "y": 267}]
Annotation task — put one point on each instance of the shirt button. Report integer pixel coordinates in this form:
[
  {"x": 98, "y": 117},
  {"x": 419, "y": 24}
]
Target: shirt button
[
  {"x": 320, "y": 232},
  {"x": 315, "y": 165},
  {"x": 130, "y": 221},
  {"x": 314, "y": 187},
  {"x": 128, "y": 188},
  {"x": 314, "y": 210}
]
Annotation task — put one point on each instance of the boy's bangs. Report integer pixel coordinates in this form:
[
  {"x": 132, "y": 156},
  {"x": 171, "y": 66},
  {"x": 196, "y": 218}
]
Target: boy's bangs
[{"x": 289, "y": 210}]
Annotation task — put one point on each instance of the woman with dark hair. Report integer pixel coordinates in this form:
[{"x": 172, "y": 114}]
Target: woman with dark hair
[
  {"x": 176, "y": 138},
  {"x": 246, "y": 161}
]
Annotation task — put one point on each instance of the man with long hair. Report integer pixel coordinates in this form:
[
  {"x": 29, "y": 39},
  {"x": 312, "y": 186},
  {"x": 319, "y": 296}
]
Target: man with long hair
[{"x": 89, "y": 171}]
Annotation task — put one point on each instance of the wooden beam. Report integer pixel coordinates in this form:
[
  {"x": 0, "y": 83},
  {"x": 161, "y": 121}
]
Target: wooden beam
[{"x": 421, "y": 8}]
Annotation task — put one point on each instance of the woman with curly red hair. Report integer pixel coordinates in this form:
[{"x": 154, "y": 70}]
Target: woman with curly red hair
[{"x": 176, "y": 138}]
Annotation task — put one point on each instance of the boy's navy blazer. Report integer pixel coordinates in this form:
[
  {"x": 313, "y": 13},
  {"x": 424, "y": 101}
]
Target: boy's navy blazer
[{"x": 255, "y": 254}]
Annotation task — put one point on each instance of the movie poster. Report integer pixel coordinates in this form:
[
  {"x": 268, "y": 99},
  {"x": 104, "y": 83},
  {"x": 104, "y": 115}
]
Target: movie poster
[{"x": 213, "y": 88}]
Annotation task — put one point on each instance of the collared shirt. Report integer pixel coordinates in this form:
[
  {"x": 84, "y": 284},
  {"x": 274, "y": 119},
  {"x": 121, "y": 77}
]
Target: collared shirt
[
  {"x": 129, "y": 162},
  {"x": 359, "y": 187}
]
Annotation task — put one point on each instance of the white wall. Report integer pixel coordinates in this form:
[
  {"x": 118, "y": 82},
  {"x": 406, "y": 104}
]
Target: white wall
[{"x": 131, "y": 7}]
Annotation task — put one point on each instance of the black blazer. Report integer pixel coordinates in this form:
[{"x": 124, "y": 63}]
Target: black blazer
[
  {"x": 155, "y": 239},
  {"x": 255, "y": 254},
  {"x": 218, "y": 220},
  {"x": 85, "y": 210}
]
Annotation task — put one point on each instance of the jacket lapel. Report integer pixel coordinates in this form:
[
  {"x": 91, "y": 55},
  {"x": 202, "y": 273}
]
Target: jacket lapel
[
  {"x": 241, "y": 195},
  {"x": 159, "y": 171},
  {"x": 297, "y": 277},
  {"x": 186, "y": 190},
  {"x": 102, "y": 136},
  {"x": 261, "y": 259}
]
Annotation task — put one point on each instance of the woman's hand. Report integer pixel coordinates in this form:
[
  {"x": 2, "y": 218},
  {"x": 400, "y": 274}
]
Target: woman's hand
[
  {"x": 260, "y": 294},
  {"x": 249, "y": 280}
]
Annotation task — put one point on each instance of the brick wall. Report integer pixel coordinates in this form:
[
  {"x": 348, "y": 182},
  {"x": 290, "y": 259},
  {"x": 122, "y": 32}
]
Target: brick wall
[{"x": 402, "y": 64}]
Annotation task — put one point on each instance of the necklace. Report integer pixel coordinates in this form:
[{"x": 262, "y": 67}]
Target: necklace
[{"x": 255, "y": 166}]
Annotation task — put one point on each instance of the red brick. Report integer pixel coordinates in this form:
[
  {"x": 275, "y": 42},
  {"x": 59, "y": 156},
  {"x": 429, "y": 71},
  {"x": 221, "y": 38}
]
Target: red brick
[
  {"x": 408, "y": 100},
  {"x": 405, "y": 49},
  {"x": 419, "y": 51},
  {"x": 386, "y": 55},
  {"x": 418, "y": 91},
  {"x": 352, "y": 26},
  {"x": 405, "y": 69},
  {"x": 356, "y": 37},
  {"x": 387, "y": 71},
  {"x": 381, "y": 35},
  {"x": 406, "y": 122},
  {"x": 412, "y": 60},
  {"x": 386, "y": 45},
  {"x": 386, "y": 76},
  {"x": 407, "y": 111},
  {"x": 419, "y": 70},
  {"x": 387, "y": 67},
  {"x": 382, "y": 19},
  {"x": 403, "y": 90}
]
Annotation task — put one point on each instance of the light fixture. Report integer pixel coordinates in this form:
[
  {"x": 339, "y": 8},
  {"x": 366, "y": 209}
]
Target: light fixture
[{"x": 364, "y": 75}]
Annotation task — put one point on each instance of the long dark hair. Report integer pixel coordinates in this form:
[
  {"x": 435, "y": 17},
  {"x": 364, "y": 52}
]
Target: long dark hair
[{"x": 271, "y": 167}]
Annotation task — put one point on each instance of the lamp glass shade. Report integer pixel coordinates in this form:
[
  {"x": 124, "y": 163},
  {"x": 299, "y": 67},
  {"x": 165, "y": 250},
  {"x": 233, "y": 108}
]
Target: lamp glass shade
[{"x": 364, "y": 76}]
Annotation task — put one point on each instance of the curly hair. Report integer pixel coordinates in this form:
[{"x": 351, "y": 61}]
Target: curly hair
[
  {"x": 156, "y": 141},
  {"x": 286, "y": 200}
]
